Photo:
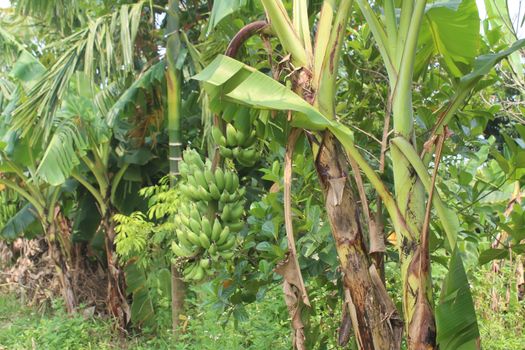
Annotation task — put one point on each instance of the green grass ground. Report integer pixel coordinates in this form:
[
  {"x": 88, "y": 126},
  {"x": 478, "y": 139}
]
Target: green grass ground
[{"x": 24, "y": 328}]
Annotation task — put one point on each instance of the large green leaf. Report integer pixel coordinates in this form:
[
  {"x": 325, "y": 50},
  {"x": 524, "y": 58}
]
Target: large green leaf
[
  {"x": 27, "y": 70},
  {"x": 87, "y": 218},
  {"x": 484, "y": 63},
  {"x": 457, "y": 327},
  {"x": 79, "y": 128},
  {"x": 62, "y": 154},
  {"x": 149, "y": 78},
  {"x": 222, "y": 9},
  {"x": 499, "y": 253},
  {"x": 19, "y": 222},
  {"x": 142, "y": 311},
  {"x": 439, "y": 34},
  {"x": 502, "y": 27},
  {"x": 231, "y": 80}
]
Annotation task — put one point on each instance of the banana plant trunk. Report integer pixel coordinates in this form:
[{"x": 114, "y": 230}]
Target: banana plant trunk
[
  {"x": 117, "y": 302},
  {"x": 376, "y": 322},
  {"x": 173, "y": 83},
  {"x": 414, "y": 250},
  {"x": 61, "y": 268}
]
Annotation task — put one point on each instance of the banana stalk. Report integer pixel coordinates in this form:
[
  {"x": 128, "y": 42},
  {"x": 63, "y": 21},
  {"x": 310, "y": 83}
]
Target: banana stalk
[
  {"x": 410, "y": 192},
  {"x": 370, "y": 304}
]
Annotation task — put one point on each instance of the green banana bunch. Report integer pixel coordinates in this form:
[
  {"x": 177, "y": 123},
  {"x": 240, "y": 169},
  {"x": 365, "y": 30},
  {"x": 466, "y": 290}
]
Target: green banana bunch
[
  {"x": 238, "y": 141},
  {"x": 209, "y": 217}
]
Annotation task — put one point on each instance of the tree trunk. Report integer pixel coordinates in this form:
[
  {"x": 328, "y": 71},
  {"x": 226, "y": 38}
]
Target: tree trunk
[
  {"x": 61, "y": 268},
  {"x": 173, "y": 83},
  {"x": 117, "y": 302},
  {"x": 377, "y": 325},
  {"x": 415, "y": 260},
  {"x": 177, "y": 296}
]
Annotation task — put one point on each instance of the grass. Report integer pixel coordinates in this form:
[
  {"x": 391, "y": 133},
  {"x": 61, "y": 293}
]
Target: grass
[{"x": 24, "y": 328}]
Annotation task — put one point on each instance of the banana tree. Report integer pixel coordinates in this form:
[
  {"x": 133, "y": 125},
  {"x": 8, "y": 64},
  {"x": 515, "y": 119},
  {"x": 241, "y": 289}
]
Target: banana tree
[
  {"x": 313, "y": 100},
  {"x": 18, "y": 163},
  {"x": 315, "y": 67}
]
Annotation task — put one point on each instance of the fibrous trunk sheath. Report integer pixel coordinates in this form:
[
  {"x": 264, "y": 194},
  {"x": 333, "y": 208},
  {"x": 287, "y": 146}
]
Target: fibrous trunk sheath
[
  {"x": 117, "y": 302},
  {"x": 377, "y": 325}
]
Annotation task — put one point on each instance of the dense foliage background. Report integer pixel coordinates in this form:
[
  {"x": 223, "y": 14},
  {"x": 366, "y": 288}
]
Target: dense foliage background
[{"x": 139, "y": 194}]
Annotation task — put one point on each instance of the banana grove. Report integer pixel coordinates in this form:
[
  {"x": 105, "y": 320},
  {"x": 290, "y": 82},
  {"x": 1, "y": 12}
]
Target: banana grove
[{"x": 236, "y": 145}]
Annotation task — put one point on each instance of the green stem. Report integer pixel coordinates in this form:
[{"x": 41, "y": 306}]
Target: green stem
[
  {"x": 402, "y": 93},
  {"x": 391, "y": 25},
  {"x": 116, "y": 181},
  {"x": 322, "y": 36},
  {"x": 447, "y": 218},
  {"x": 283, "y": 27},
  {"x": 301, "y": 25},
  {"x": 38, "y": 206},
  {"x": 173, "y": 78},
  {"x": 99, "y": 176},
  {"x": 329, "y": 70},
  {"x": 54, "y": 197},
  {"x": 380, "y": 36},
  {"x": 96, "y": 194}
]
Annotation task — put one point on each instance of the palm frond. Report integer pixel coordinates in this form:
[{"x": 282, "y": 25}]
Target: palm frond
[
  {"x": 63, "y": 15},
  {"x": 103, "y": 49}
]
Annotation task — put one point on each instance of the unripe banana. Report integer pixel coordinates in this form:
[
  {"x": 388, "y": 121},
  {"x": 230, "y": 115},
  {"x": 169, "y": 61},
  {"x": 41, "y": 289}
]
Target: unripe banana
[
  {"x": 183, "y": 238},
  {"x": 228, "y": 181},
  {"x": 214, "y": 191},
  {"x": 208, "y": 175},
  {"x": 199, "y": 273},
  {"x": 231, "y": 135},
  {"x": 249, "y": 154},
  {"x": 195, "y": 226},
  {"x": 223, "y": 237},
  {"x": 204, "y": 263},
  {"x": 251, "y": 139},
  {"x": 235, "y": 183},
  {"x": 225, "y": 152},
  {"x": 203, "y": 194},
  {"x": 216, "y": 230},
  {"x": 236, "y": 211},
  {"x": 193, "y": 237},
  {"x": 195, "y": 214},
  {"x": 189, "y": 271},
  {"x": 184, "y": 219},
  {"x": 192, "y": 182},
  {"x": 200, "y": 179},
  {"x": 228, "y": 245},
  {"x": 184, "y": 169},
  {"x": 227, "y": 255},
  {"x": 180, "y": 250},
  {"x": 185, "y": 189},
  {"x": 236, "y": 151},
  {"x": 206, "y": 226},
  {"x": 236, "y": 227},
  {"x": 219, "y": 179},
  {"x": 240, "y": 137},
  {"x": 226, "y": 213},
  {"x": 204, "y": 240},
  {"x": 218, "y": 137}
]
